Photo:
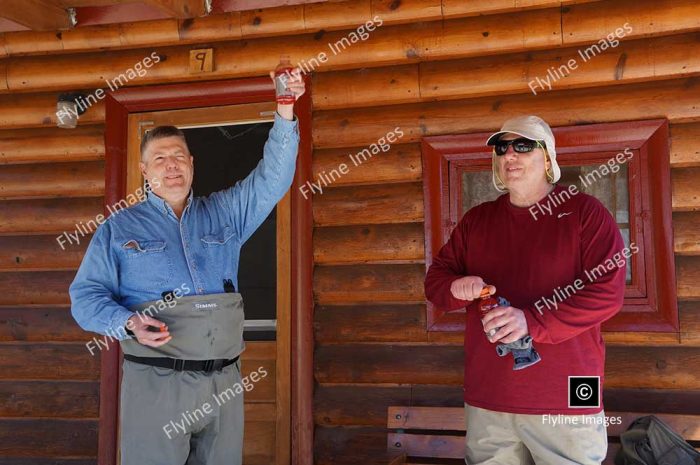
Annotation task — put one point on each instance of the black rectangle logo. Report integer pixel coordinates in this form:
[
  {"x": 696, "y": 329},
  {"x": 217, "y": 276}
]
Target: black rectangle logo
[{"x": 584, "y": 391}]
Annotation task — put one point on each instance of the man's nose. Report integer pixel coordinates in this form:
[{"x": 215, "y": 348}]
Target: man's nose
[{"x": 510, "y": 152}]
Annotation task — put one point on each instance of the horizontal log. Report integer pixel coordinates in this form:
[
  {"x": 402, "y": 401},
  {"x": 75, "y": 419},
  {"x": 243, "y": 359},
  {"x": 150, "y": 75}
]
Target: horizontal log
[
  {"x": 400, "y": 163},
  {"x": 37, "y": 110},
  {"x": 75, "y": 399},
  {"x": 390, "y": 203},
  {"x": 317, "y": 17},
  {"x": 270, "y": 21},
  {"x": 53, "y": 438},
  {"x": 673, "y": 99},
  {"x": 337, "y": 405},
  {"x": 393, "y": 364},
  {"x": 46, "y": 361},
  {"x": 686, "y": 233},
  {"x": 688, "y": 277},
  {"x": 452, "y": 8},
  {"x": 589, "y": 22},
  {"x": 633, "y": 61},
  {"x": 53, "y": 146},
  {"x": 685, "y": 145},
  {"x": 389, "y": 45},
  {"x": 40, "y": 324},
  {"x": 663, "y": 367},
  {"x": 652, "y": 368},
  {"x": 369, "y": 323},
  {"x": 686, "y": 195},
  {"x": 35, "y": 287},
  {"x": 55, "y": 216},
  {"x": 51, "y": 180},
  {"x": 366, "y": 87},
  {"x": 382, "y": 243},
  {"x": 39, "y": 253},
  {"x": 369, "y": 284}
]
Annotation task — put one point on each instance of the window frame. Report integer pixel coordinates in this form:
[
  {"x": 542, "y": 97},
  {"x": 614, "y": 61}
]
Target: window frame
[{"x": 650, "y": 299}]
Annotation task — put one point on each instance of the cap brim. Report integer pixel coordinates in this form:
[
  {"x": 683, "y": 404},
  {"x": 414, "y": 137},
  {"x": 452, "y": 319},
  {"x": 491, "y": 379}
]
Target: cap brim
[{"x": 497, "y": 135}]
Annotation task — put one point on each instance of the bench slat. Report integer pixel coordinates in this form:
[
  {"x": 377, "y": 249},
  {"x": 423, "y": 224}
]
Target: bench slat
[
  {"x": 433, "y": 418},
  {"x": 426, "y": 445},
  {"x": 452, "y": 419}
]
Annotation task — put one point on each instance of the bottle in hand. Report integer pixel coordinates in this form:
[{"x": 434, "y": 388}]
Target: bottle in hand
[{"x": 282, "y": 75}]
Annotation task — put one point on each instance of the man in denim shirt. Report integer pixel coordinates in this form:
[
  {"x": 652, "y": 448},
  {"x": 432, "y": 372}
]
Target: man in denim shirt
[{"x": 185, "y": 252}]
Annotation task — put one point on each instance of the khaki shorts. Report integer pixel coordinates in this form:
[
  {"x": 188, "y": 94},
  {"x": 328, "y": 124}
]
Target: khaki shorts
[{"x": 498, "y": 438}]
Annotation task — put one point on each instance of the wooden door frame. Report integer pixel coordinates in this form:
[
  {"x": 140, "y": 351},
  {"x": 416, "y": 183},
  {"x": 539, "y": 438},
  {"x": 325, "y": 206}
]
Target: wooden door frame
[{"x": 118, "y": 105}]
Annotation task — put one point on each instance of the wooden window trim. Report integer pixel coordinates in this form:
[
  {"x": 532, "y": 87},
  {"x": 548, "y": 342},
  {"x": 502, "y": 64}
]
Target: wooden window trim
[{"x": 650, "y": 300}]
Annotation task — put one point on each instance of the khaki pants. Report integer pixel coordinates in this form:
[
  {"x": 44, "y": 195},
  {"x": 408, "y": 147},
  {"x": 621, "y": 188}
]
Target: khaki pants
[{"x": 497, "y": 438}]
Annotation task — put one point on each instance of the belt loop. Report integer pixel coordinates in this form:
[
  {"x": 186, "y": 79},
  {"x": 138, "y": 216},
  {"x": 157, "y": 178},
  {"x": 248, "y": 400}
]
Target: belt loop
[{"x": 179, "y": 365}]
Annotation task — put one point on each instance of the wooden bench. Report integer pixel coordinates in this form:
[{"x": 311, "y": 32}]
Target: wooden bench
[{"x": 438, "y": 432}]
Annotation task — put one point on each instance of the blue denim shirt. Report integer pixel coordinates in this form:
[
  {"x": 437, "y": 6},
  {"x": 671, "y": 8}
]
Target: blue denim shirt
[{"x": 199, "y": 250}]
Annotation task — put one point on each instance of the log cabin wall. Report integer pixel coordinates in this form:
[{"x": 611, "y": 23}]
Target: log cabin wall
[{"x": 433, "y": 67}]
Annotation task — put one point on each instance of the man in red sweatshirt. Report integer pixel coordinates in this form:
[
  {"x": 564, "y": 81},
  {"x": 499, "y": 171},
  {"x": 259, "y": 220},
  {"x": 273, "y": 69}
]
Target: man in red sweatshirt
[{"x": 558, "y": 257}]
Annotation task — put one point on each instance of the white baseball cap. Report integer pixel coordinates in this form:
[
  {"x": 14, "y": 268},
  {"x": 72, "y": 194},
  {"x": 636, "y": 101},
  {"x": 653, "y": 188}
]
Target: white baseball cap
[{"x": 533, "y": 128}]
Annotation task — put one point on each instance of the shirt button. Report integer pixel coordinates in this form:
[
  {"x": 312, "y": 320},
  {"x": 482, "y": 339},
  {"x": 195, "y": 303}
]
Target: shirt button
[{"x": 200, "y": 289}]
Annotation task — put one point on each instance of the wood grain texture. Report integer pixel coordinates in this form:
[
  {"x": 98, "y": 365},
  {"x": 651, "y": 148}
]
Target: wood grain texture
[
  {"x": 399, "y": 163},
  {"x": 47, "y": 181},
  {"x": 22, "y": 399},
  {"x": 369, "y": 284},
  {"x": 48, "y": 361},
  {"x": 673, "y": 99},
  {"x": 374, "y": 204},
  {"x": 382, "y": 243},
  {"x": 49, "y": 216},
  {"x": 40, "y": 324}
]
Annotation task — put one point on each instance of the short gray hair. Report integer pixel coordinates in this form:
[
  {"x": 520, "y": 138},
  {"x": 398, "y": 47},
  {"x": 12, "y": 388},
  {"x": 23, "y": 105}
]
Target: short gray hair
[{"x": 160, "y": 132}]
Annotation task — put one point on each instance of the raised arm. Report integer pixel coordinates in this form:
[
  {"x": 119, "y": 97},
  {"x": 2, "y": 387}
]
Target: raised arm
[{"x": 250, "y": 200}]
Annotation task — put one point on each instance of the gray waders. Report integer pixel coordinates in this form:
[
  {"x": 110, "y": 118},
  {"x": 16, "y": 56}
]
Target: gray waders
[{"x": 178, "y": 416}]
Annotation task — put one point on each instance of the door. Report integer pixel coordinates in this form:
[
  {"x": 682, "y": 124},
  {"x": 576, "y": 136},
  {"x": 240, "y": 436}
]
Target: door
[{"x": 229, "y": 139}]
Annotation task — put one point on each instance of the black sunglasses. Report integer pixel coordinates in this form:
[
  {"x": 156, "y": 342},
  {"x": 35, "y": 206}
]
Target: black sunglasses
[{"x": 521, "y": 145}]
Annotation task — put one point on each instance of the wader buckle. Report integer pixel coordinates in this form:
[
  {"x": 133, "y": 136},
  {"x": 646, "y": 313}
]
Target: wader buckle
[{"x": 211, "y": 365}]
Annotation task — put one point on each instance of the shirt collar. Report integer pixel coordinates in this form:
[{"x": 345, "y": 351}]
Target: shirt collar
[{"x": 160, "y": 203}]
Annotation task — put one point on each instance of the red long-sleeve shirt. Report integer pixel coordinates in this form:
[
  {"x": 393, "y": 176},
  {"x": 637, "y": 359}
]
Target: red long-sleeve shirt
[{"x": 528, "y": 259}]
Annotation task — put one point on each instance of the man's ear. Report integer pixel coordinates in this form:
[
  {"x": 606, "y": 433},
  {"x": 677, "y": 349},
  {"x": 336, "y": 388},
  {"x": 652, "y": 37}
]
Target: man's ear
[{"x": 142, "y": 167}]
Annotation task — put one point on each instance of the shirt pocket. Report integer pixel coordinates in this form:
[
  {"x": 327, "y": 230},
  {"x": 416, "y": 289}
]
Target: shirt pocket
[
  {"x": 218, "y": 238},
  {"x": 147, "y": 265},
  {"x": 218, "y": 252}
]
